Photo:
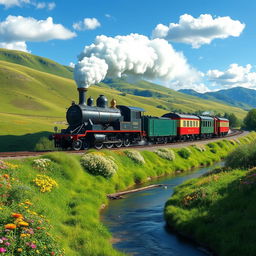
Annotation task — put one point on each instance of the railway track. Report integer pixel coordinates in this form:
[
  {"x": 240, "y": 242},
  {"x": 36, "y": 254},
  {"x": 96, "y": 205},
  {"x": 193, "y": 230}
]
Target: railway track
[{"x": 24, "y": 154}]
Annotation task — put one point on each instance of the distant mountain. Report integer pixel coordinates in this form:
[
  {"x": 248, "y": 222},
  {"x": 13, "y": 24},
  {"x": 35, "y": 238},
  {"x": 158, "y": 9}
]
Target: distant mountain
[{"x": 239, "y": 96}]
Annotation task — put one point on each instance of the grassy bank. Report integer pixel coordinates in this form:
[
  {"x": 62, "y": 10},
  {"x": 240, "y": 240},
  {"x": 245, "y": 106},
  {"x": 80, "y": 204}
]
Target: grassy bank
[
  {"x": 218, "y": 209},
  {"x": 60, "y": 198}
]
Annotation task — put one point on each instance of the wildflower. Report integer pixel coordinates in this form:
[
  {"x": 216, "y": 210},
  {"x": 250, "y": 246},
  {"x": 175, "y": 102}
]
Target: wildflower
[
  {"x": 6, "y": 176},
  {"x": 2, "y": 250},
  {"x": 19, "y": 250},
  {"x": 17, "y": 215},
  {"x": 7, "y": 244},
  {"x": 10, "y": 226},
  {"x": 23, "y": 224}
]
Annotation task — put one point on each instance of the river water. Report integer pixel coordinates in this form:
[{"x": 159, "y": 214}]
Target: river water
[{"x": 137, "y": 224}]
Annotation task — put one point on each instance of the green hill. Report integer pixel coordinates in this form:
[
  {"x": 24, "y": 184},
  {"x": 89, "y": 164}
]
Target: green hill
[
  {"x": 35, "y": 62},
  {"x": 33, "y": 101}
]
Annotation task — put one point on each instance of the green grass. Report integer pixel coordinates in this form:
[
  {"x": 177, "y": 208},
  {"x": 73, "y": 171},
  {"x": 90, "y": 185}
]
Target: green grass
[
  {"x": 218, "y": 209},
  {"x": 73, "y": 208},
  {"x": 35, "y": 62}
]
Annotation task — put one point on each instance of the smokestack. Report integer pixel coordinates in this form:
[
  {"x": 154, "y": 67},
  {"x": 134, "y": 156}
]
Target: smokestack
[{"x": 82, "y": 95}]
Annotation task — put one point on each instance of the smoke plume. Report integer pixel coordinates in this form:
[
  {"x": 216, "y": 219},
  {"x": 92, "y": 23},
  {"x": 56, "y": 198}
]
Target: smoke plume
[{"x": 132, "y": 55}]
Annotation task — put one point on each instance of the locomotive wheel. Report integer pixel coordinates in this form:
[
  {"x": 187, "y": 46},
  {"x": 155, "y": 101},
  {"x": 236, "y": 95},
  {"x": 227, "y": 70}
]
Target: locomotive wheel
[
  {"x": 86, "y": 145},
  {"x": 98, "y": 145},
  {"x": 109, "y": 145},
  {"x": 77, "y": 144},
  {"x": 127, "y": 143},
  {"x": 119, "y": 144}
]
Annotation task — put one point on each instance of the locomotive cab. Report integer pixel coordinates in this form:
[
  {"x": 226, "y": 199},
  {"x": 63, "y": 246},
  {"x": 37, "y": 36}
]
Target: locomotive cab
[{"x": 131, "y": 117}]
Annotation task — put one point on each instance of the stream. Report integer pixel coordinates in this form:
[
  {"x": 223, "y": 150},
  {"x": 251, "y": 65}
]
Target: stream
[{"x": 137, "y": 224}]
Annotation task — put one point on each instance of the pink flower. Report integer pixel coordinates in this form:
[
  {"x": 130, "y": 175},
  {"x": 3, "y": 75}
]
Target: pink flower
[
  {"x": 2, "y": 250},
  {"x": 7, "y": 244},
  {"x": 33, "y": 246}
]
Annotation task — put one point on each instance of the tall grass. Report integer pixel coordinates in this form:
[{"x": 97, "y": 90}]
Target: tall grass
[{"x": 218, "y": 209}]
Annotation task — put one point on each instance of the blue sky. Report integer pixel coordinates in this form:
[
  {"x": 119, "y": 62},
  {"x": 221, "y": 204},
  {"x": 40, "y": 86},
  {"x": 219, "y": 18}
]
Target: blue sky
[{"x": 123, "y": 17}]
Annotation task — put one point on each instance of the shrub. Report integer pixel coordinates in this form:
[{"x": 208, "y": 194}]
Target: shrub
[
  {"x": 44, "y": 144},
  {"x": 211, "y": 145},
  {"x": 213, "y": 150},
  {"x": 199, "y": 147},
  {"x": 221, "y": 144},
  {"x": 42, "y": 163},
  {"x": 99, "y": 165},
  {"x": 243, "y": 157},
  {"x": 184, "y": 153},
  {"x": 135, "y": 156},
  {"x": 165, "y": 153}
]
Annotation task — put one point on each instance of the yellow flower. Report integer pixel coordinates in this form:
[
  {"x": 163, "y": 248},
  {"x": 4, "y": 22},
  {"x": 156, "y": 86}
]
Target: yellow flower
[
  {"x": 23, "y": 223},
  {"x": 19, "y": 250}
]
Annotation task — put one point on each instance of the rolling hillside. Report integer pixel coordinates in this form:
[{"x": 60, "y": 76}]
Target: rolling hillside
[
  {"x": 239, "y": 96},
  {"x": 33, "y": 101}
]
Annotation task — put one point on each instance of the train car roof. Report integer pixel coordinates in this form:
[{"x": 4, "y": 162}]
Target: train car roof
[
  {"x": 176, "y": 115},
  {"x": 131, "y": 108},
  {"x": 206, "y": 118},
  {"x": 222, "y": 119}
]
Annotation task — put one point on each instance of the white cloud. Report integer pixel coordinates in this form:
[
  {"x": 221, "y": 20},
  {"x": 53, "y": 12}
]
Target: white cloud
[
  {"x": 20, "y": 3},
  {"x": 21, "y": 46},
  {"x": 199, "y": 31},
  {"x": 72, "y": 64},
  {"x": 87, "y": 24},
  {"x": 134, "y": 56},
  {"x": 234, "y": 76},
  {"x": 16, "y": 30},
  {"x": 43, "y": 5}
]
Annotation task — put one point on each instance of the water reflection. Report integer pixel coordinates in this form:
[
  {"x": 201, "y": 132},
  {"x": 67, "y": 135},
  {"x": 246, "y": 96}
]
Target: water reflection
[{"x": 138, "y": 226}]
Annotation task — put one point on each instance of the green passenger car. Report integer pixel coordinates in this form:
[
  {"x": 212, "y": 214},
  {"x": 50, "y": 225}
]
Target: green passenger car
[
  {"x": 206, "y": 125},
  {"x": 159, "y": 126}
]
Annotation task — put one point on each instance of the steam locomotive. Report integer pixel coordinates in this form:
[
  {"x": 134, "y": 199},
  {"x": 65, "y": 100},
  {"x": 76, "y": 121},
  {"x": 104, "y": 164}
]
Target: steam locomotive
[{"x": 119, "y": 125}]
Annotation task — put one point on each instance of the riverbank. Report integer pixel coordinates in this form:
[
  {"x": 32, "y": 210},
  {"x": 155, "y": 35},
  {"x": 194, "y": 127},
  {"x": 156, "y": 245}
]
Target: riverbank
[
  {"x": 69, "y": 197},
  {"x": 218, "y": 209}
]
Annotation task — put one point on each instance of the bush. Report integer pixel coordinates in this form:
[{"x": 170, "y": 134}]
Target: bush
[
  {"x": 243, "y": 157},
  {"x": 135, "y": 156},
  {"x": 199, "y": 147},
  {"x": 44, "y": 144},
  {"x": 99, "y": 165},
  {"x": 184, "y": 153},
  {"x": 165, "y": 153},
  {"x": 213, "y": 150}
]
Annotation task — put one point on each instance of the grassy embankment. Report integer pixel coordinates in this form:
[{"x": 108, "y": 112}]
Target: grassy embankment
[
  {"x": 72, "y": 207},
  {"x": 218, "y": 210}
]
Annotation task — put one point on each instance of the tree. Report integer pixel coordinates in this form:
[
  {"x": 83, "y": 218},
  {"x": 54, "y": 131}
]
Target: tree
[
  {"x": 233, "y": 120},
  {"x": 250, "y": 120}
]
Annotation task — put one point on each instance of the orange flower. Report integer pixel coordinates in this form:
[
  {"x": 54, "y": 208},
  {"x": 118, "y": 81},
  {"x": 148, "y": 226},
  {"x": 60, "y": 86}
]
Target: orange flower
[
  {"x": 6, "y": 176},
  {"x": 10, "y": 226},
  {"x": 17, "y": 215},
  {"x": 23, "y": 223}
]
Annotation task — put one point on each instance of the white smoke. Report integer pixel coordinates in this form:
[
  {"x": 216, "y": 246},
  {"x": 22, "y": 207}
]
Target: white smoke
[{"x": 132, "y": 55}]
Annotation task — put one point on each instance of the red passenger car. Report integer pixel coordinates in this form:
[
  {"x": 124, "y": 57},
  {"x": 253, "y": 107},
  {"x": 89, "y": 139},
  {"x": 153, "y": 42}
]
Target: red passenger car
[
  {"x": 221, "y": 126},
  {"x": 188, "y": 126}
]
